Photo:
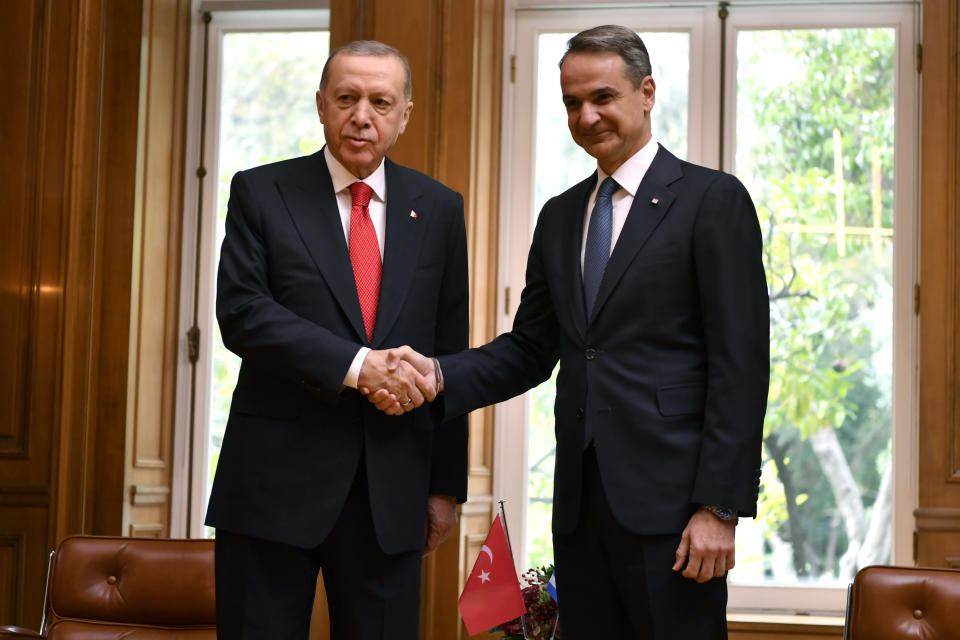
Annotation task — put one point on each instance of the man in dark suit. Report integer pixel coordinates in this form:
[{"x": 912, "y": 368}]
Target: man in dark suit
[
  {"x": 646, "y": 281},
  {"x": 324, "y": 257}
]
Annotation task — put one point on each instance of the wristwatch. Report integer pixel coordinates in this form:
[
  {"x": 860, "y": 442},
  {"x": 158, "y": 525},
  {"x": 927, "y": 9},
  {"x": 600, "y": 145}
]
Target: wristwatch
[{"x": 725, "y": 514}]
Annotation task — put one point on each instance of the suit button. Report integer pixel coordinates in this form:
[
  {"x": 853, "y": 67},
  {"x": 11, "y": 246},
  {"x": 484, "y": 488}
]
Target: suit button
[
  {"x": 590, "y": 353},
  {"x": 579, "y": 412}
]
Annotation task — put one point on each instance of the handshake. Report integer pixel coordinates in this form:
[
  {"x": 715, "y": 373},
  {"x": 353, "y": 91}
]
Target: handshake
[{"x": 399, "y": 380}]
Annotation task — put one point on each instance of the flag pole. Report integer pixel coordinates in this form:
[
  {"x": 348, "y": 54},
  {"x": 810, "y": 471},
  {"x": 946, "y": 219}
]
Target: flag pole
[{"x": 506, "y": 531}]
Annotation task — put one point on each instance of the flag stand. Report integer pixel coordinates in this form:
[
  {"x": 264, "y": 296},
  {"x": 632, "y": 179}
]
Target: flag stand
[{"x": 506, "y": 530}]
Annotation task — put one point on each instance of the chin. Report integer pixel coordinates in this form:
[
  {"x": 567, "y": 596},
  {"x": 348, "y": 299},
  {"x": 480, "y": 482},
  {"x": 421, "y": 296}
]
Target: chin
[{"x": 357, "y": 162}]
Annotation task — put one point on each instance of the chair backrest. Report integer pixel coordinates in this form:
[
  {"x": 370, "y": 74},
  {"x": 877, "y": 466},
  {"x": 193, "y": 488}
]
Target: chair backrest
[
  {"x": 133, "y": 588},
  {"x": 900, "y": 603}
]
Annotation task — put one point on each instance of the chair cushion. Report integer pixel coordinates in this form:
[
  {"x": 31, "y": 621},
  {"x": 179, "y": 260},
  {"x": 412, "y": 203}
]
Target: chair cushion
[
  {"x": 892, "y": 603},
  {"x": 71, "y": 630},
  {"x": 141, "y": 581}
]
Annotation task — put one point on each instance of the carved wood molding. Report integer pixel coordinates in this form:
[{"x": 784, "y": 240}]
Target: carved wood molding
[
  {"x": 13, "y": 556},
  {"x": 146, "y": 494},
  {"x": 478, "y": 505},
  {"x": 24, "y": 496},
  {"x": 147, "y": 530},
  {"x": 937, "y": 519},
  {"x": 952, "y": 259}
]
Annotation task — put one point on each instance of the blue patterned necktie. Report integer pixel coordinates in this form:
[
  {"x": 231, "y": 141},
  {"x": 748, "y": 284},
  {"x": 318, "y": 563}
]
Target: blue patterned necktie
[{"x": 597, "y": 250}]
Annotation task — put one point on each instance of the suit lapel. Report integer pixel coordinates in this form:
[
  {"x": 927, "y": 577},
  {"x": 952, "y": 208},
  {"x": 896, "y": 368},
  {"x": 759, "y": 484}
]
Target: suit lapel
[
  {"x": 573, "y": 242},
  {"x": 312, "y": 205},
  {"x": 404, "y": 235},
  {"x": 650, "y": 204}
]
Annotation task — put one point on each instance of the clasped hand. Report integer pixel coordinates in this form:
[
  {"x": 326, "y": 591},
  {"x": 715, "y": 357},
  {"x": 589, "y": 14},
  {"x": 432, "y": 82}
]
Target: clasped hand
[{"x": 397, "y": 380}]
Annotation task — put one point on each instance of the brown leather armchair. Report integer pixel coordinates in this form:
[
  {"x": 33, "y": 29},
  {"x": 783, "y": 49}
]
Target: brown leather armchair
[
  {"x": 901, "y": 603},
  {"x": 103, "y": 588}
]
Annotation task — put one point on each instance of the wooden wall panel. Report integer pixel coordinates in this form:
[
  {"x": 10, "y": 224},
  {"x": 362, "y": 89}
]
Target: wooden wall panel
[
  {"x": 113, "y": 261},
  {"x": 16, "y": 244},
  {"x": 937, "y": 519},
  {"x": 37, "y": 46},
  {"x": 29, "y": 287},
  {"x": 71, "y": 74},
  {"x": 154, "y": 289},
  {"x": 22, "y": 560}
]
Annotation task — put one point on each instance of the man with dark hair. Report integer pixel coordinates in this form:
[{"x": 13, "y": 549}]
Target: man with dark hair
[
  {"x": 646, "y": 282},
  {"x": 324, "y": 257}
]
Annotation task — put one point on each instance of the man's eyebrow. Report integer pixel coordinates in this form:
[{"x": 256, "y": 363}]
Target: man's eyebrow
[
  {"x": 596, "y": 92},
  {"x": 604, "y": 89}
]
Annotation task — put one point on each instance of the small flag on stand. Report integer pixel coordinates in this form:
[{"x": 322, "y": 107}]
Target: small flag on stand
[
  {"x": 492, "y": 593},
  {"x": 552, "y": 586}
]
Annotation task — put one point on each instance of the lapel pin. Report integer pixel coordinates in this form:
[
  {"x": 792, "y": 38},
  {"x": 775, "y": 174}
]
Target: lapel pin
[
  {"x": 655, "y": 201},
  {"x": 413, "y": 214}
]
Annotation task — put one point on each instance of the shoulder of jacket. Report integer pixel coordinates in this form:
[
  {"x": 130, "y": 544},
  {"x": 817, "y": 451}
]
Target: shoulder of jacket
[
  {"x": 422, "y": 180},
  {"x": 282, "y": 167}
]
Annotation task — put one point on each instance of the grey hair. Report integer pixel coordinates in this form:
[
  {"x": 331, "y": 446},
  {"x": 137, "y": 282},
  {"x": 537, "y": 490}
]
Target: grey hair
[
  {"x": 615, "y": 39},
  {"x": 369, "y": 48}
]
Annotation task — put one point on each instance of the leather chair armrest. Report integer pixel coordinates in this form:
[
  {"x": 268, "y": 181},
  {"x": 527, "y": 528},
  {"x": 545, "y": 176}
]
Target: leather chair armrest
[{"x": 18, "y": 633}]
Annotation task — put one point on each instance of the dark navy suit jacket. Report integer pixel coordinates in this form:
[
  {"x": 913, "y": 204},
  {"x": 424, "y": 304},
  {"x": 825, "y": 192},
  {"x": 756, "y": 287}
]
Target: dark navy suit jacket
[
  {"x": 670, "y": 371},
  {"x": 287, "y": 305}
]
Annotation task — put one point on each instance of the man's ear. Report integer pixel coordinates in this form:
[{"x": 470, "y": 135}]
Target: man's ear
[
  {"x": 406, "y": 117},
  {"x": 649, "y": 90},
  {"x": 320, "y": 105}
]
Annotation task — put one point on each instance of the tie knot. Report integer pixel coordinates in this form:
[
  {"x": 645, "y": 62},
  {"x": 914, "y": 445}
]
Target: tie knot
[
  {"x": 360, "y": 192},
  {"x": 607, "y": 188}
]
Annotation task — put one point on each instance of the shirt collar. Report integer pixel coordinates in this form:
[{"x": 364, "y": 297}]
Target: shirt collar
[
  {"x": 630, "y": 173},
  {"x": 342, "y": 178}
]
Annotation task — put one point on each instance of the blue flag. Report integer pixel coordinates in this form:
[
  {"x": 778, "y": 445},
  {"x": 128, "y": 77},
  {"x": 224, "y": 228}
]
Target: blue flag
[{"x": 552, "y": 587}]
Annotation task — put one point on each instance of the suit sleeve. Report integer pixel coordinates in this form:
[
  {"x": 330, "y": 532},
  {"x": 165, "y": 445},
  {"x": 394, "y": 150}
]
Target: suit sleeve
[
  {"x": 513, "y": 362},
  {"x": 736, "y": 318},
  {"x": 253, "y": 324},
  {"x": 448, "y": 471}
]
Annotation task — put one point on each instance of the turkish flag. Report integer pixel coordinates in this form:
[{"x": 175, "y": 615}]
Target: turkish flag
[{"x": 492, "y": 593}]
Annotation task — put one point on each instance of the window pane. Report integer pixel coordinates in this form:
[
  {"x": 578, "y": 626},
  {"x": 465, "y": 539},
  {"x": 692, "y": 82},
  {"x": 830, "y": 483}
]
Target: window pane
[
  {"x": 267, "y": 112},
  {"x": 560, "y": 164},
  {"x": 815, "y": 143}
]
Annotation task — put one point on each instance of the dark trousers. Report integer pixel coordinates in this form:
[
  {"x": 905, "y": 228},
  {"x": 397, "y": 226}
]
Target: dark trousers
[
  {"x": 612, "y": 583},
  {"x": 265, "y": 590}
]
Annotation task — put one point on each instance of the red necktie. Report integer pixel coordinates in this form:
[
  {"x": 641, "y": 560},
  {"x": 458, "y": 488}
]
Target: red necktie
[{"x": 365, "y": 255}]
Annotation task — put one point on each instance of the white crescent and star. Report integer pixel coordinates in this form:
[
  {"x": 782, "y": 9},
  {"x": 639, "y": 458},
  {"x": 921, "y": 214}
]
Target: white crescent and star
[{"x": 484, "y": 576}]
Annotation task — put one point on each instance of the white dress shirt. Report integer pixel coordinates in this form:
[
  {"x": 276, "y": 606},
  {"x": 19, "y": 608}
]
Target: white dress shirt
[
  {"x": 342, "y": 179},
  {"x": 628, "y": 176}
]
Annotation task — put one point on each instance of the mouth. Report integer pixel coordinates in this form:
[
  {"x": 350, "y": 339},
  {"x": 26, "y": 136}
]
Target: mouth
[
  {"x": 593, "y": 136},
  {"x": 356, "y": 142}
]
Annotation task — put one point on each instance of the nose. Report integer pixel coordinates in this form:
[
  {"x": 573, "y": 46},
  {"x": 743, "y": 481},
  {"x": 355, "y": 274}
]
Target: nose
[
  {"x": 588, "y": 116},
  {"x": 361, "y": 114}
]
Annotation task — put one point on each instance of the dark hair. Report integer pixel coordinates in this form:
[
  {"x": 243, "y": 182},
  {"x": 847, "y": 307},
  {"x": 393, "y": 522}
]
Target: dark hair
[
  {"x": 616, "y": 39},
  {"x": 369, "y": 48}
]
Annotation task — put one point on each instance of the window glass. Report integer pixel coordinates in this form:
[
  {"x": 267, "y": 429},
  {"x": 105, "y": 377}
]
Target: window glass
[
  {"x": 267, "y": 112},
  {"x": 815, "y": 148}
]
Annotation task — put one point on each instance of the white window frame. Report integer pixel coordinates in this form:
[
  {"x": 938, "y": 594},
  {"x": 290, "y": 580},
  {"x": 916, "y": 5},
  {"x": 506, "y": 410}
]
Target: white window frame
[
  {"x": 226, "y": 20},
  {"x": 525, "y": 20},
  {"x": 905, "y": 19}
]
